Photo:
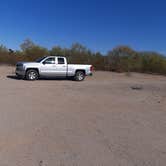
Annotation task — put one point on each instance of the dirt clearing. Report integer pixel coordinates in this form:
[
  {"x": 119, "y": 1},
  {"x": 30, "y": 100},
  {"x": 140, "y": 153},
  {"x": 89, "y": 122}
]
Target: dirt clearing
[{"x": 102, "y": 121}]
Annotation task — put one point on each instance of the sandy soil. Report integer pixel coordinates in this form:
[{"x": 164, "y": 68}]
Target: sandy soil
[{"x": 99, "y": 122}]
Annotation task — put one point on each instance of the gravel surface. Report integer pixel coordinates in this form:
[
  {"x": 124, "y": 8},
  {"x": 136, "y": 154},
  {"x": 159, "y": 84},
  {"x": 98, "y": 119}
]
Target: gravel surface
[{"x": 99, "y": 122}]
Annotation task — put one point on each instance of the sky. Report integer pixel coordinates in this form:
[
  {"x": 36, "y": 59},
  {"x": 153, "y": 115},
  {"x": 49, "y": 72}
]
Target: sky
[{"x": 98, "y": 24}]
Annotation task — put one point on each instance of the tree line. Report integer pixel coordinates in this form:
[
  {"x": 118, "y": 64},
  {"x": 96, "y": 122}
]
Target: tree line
[{"x": 119, "y": 59}]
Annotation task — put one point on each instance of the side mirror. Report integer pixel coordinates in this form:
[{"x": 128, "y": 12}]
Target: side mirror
[{"x": 44, "y": 63}]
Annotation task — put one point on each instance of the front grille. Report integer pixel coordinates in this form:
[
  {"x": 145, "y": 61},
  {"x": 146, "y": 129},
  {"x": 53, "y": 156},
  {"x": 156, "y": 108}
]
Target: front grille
[{"x": 19, "y": 67}]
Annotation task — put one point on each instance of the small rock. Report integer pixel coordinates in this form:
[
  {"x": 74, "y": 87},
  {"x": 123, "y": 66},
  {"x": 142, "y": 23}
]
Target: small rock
[
  {"x": 41, "y": 163},
  {"x": 137, "y": 87}
]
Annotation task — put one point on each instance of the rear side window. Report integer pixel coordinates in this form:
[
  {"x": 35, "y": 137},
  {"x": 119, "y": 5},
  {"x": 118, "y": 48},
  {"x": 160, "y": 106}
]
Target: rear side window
[{"x": 61, "y": 61}]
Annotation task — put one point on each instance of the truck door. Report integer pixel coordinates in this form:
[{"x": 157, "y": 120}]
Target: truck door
[
  {"x": 48, "y": 67},
  {"x": 61, "y": 67}
]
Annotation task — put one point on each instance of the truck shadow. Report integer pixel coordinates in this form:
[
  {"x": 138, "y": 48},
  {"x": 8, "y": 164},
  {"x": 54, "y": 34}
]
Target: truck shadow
[{"x": 13, "y": 77}]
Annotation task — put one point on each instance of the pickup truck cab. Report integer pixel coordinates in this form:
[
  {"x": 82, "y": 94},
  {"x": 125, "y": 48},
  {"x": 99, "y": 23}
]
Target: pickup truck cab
[{"x": 52, "y": 66}]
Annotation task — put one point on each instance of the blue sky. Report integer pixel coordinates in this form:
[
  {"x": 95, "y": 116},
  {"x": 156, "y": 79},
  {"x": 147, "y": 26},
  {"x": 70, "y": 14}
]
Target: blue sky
[{"x": 98, "y": 24}]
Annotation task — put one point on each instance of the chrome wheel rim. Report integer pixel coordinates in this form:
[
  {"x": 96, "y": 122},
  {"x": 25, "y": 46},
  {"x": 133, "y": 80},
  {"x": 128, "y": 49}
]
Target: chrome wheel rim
[
  {"x": 32, "y": 75},
  {"x": 80, "y": 76}
]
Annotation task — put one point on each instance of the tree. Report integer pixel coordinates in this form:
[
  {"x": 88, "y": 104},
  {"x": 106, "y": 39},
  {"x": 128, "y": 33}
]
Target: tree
[
  {"x": 57, "y": 50},
  {"x": 78, "y": 48},
  {"x": 31, "y": 51},
  {"x": 27, "y": 44},
  {"x": 123, "y": 58},
  {"x": 35, "y": 52},
  {"x": 3, "y": 49}
]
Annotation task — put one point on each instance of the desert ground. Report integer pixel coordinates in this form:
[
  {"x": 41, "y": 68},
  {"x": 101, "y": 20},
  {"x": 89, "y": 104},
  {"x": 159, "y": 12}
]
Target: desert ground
[{"x": 102, "y": 121}]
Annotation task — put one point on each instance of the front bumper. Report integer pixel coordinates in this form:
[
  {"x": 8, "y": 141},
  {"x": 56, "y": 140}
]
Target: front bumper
[{"x": 20, "y": 72}]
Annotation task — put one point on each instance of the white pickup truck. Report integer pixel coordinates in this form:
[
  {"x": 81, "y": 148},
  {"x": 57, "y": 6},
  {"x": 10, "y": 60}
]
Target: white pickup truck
[{"x": 52, "y": 66}]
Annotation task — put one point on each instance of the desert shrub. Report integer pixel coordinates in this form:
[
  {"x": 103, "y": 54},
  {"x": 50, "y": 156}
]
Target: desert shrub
[
  {"x": 119, "y": 59},
  {"x": 123, "y": 59},
  {"x": 153, "y": 63}
]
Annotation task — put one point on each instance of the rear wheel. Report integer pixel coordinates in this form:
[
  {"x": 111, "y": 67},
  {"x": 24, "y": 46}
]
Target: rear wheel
[
  {"x": 79, "y": 76},
  {"x": 32, "y": 75}
]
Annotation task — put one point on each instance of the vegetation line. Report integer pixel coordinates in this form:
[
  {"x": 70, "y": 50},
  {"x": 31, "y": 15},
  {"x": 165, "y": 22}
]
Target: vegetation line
[{"x": 120, "y": 59}]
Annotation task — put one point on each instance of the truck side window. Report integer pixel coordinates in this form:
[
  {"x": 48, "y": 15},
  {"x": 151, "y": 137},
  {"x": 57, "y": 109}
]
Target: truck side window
[
  {"x": 49, "y": 61},
  {"x": 61, "y": 61}
]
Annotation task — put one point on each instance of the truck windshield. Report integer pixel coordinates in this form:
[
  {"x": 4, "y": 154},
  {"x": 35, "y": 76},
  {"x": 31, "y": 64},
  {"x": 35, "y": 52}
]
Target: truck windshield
[{"x": 40, "y": 59}]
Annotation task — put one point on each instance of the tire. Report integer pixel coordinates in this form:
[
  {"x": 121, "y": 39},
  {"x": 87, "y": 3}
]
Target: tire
[
  {"x": 79, "y": 76},
  {"x": 32, "y": 75}
]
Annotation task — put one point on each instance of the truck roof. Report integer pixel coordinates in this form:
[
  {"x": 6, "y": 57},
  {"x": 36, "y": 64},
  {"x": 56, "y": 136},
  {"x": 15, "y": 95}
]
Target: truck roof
[{"x": 55, "y": 56}]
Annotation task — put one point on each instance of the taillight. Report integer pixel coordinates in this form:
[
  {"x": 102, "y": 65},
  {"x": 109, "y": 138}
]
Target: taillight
[{"x": 91, "y": 68}]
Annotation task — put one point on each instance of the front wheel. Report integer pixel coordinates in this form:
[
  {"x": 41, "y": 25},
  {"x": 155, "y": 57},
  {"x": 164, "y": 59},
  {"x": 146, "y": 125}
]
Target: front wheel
[
  {"x": 32, "y": 75},
  {"x": 79, "y": 76}
]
